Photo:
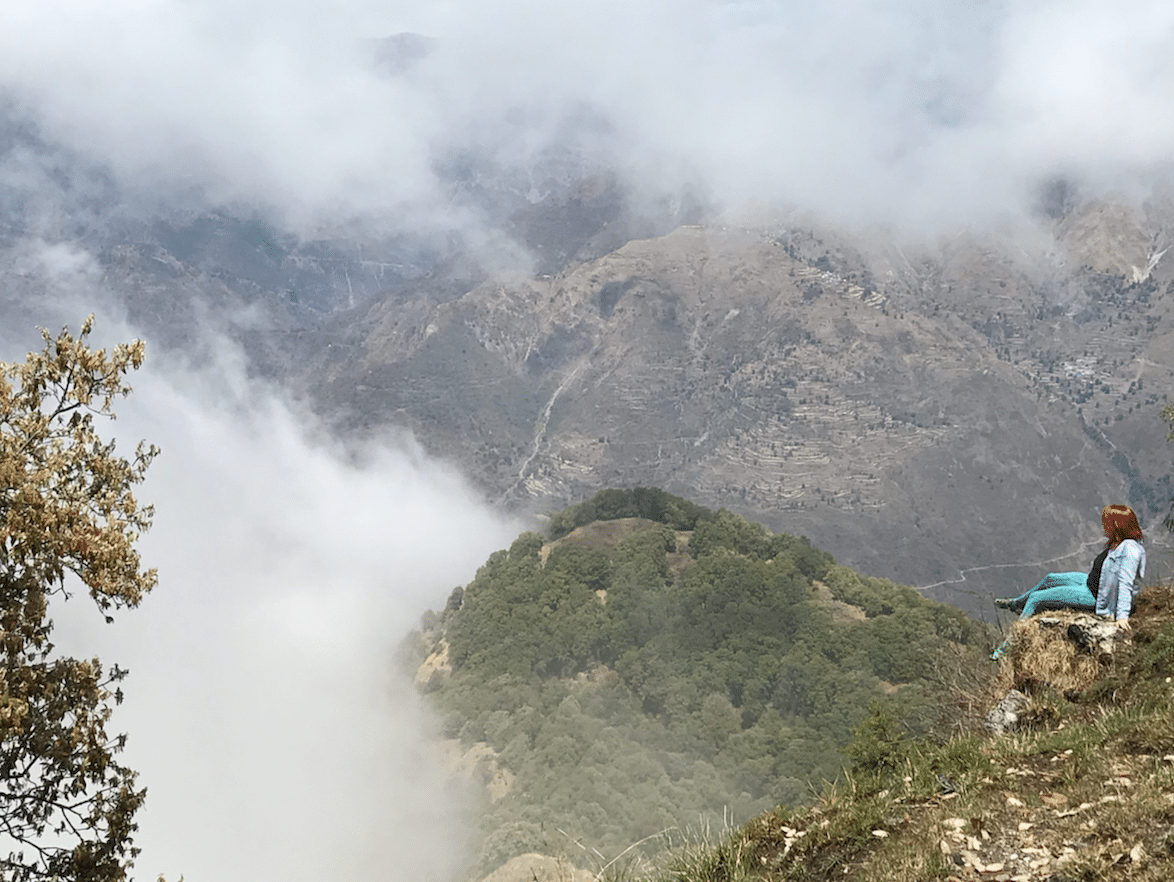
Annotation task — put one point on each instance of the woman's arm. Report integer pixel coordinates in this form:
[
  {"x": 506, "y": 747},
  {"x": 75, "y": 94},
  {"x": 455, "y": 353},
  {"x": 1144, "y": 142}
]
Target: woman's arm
[{"x": 1131, "y": 568}]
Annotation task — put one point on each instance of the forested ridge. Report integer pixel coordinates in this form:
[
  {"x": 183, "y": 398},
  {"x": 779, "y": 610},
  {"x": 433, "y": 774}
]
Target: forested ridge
[{"x": 653, "y": 664}]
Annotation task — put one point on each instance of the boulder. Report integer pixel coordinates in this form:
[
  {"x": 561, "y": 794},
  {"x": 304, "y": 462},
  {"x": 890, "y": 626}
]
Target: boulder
[
  {"x": 1065, "y": 650},
  {"x": 1087, "y": 632},
  {"x": 1004, "y": 716}
]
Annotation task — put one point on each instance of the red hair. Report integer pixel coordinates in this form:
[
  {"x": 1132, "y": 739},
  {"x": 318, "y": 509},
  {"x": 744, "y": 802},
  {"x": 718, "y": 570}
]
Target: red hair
[{"x": 1119, "y": 523}]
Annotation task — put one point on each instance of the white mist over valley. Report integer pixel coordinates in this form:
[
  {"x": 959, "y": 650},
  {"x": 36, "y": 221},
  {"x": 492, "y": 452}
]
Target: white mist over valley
[
  {"x": 267, "y": 712},
  {"x": 392, "y": 114}
]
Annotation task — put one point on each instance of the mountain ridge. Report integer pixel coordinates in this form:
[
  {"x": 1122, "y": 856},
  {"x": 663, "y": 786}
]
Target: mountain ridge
[
  {"x": 861, "y": 398},
  {"x": 853, "y": 385}
]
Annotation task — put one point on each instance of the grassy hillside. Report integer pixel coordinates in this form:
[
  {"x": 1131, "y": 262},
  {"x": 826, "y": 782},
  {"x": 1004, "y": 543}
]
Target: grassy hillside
[
  {"x": 658, "y": 665},
  {"x": 1084, "y": 792}
]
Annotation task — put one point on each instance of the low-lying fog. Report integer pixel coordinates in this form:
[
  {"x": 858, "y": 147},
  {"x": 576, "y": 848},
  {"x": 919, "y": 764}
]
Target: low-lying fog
[
  {"x": 275, "y": 736},
  {"x": 929, "y": 116}
]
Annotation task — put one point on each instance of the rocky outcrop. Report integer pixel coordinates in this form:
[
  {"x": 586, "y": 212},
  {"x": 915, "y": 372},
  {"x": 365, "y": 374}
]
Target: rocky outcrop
[
  {"x": 478, "y": 764},
  {"x": 1004, "y": 716},
  {"x": 435, "y": 669},
  {"x": 1065, "y": 650},
  {"x": 1088, "y": 633}
]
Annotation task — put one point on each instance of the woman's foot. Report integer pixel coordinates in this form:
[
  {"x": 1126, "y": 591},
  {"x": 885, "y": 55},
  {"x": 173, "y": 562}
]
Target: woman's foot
[{"x": 1004, "y": 602}]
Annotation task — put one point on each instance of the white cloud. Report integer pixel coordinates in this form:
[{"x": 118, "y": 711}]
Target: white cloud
[
  {"x": 1091, "y": 85},
  {"x": 272, "y": 732},
  {"x": 899, "y": 111}
]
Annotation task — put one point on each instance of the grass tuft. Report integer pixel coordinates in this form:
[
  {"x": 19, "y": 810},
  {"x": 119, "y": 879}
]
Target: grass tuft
[{"x": 1042, "y": 657}]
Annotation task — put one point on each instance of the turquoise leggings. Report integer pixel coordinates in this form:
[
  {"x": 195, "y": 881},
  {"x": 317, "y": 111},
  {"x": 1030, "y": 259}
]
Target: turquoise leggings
[{"x": 1055, "y": 591}]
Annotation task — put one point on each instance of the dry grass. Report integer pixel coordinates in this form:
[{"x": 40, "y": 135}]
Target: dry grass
[
  {"x": 602, "y": 535},
  {"x": 1042, "y": 656},
  {"x": 966, "y": 686}
]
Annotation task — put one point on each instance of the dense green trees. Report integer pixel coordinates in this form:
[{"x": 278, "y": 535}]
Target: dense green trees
[
  {"x": 639, "y": 502},
  {"x": 637, "y": 685}
]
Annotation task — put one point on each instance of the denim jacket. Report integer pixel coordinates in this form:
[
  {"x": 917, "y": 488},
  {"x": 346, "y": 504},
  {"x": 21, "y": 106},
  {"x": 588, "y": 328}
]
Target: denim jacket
[{"x": 1121, "y": 579}]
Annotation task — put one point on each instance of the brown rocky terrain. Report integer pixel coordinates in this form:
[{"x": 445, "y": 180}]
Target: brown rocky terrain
[
  {"x": 951, "y": 415},
  {"x": 952, "y": 418}
]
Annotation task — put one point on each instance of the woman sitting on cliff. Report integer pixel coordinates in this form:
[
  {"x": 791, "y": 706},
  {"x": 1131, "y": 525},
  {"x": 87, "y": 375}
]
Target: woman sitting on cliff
[
  {"x": 1123, "y": 547},
  {"x": 1124, "y": 567}
]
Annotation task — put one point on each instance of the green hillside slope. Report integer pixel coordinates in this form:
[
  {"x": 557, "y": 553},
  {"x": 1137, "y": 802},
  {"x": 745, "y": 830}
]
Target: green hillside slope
[
  {"x": 659, "y": 666},
  {"x": 1082, "y": 791}
]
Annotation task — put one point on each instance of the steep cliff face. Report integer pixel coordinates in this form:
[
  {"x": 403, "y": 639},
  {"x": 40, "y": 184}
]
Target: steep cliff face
[{"x": 913, "y": 413}]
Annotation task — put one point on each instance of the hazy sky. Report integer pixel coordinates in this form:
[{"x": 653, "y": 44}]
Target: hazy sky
[{"x": 902, "y": 111}]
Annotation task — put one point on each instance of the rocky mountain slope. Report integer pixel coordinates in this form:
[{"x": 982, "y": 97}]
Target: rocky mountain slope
[
  {"x": 951, "y": 416},
  {"x": 918, "y": 413}
]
